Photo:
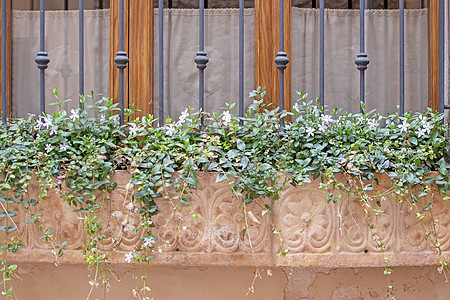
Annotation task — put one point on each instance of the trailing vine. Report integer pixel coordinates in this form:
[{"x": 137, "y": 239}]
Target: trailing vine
[{"x": 77, "y": 152}]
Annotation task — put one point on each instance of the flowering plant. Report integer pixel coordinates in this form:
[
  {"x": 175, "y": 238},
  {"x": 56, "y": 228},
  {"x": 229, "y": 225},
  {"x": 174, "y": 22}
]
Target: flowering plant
[{"x": 77, "y": 154}]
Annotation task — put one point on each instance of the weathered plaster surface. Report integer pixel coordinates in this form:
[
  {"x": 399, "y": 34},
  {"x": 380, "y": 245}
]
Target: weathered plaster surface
[{"x": 71, "y": 282}]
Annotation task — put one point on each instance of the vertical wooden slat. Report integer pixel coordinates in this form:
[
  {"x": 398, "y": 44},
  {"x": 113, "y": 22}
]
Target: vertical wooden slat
[
  {"x": 433, "y": 54},
  {"x": 114, "y": 47},
  {"x": 8, "y": 59},
  {"x": 141, "y": 56},
  {"x": 266, "y": 48},
  {"x": 138, "y": 26},
  {"x": 287, "y": 47}
]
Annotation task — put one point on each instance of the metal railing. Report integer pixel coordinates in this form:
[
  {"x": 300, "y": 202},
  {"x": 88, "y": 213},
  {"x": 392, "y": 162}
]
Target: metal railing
[{"x": 201, "y": 59}]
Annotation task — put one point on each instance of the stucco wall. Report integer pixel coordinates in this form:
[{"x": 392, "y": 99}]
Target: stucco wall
[{"x": 46, "y": 281}]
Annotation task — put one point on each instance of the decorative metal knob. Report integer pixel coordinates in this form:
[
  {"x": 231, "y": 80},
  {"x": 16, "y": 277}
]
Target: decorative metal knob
[
  {"x": 201, "y": 60},
  {"x": 281, "y": 60},
  {"x": 362, "y": 61},
  {"x": 121, "y": 60},
  {"x": 42, "y": 60}
]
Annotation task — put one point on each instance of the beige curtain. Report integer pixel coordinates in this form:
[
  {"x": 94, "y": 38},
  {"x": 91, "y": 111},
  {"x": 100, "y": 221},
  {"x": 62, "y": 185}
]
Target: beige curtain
[
  {"x": 62, "y": 46},
  {"x": 222, "y": 46},
  {"x": 341, "y": 48}
]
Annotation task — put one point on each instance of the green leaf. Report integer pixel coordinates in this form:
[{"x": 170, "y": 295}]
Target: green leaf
[
  {"x": 442, "y": 167},
  {"x": 12, "y": 228},
  {"x": 185, "y": 201},
  {"x": 240, "y": 145},
  {"x": 428, "y": 206},
  {"x": 264, "y": 167},
  {"x": 221, "y": 177},
  {"x": 244, "y": 161},
  {"x": 213, "y": 165},
  {"x": 189, "y": 163}
]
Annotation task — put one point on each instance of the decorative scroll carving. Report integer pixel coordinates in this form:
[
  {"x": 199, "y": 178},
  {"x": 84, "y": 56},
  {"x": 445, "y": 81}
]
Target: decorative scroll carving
[{"x": 212, "y": 228}]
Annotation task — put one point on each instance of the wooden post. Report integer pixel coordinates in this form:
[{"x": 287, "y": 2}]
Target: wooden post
[
  {"x": 266, "y": 48},
  {"x": 433, "y": 54},
  {"x": 138, "y": 35},
  {"x": 141, "y": 56}
]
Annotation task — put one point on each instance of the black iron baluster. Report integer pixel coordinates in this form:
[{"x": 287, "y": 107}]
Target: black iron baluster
[
  {"x": 313, "y": 4},
  {"x": 386, "y": 4},
  {"x": 81, "y": 51},
  {"x": 402, "y": 56},
  {"x": 281, "y": 60},
  {"x": 241, "y": 61},
  {"x": 361, "y": 61},
  {"x": 201, "y": 60},
  {"x": 4, "y": 108},
  {"x": 66, "y": 4},
  {"x": 161, "y": 62},
  {"x": 206, "y": 3},
  {"x": 322, "y": 53},
  {"x": 350, "y": 4},
  {"x": 121, "y": 61},
  {"x": 42, "y": 59},
  {"x": 442, "y": 104},
  {"x": 170, "y": 3},
  {"x": 100, "y": 4}
]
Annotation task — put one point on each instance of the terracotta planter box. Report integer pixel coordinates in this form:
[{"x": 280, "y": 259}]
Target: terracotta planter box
[{"x": 337, "y": 236}]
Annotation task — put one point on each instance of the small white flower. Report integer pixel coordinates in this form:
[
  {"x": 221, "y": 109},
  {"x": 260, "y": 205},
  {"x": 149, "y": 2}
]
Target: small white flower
[
  {"x": 38, "y": 124},
  {"x": 226, "y": 117},
  {"x": 423, "y": 119},
  {"x": 74, "y": 114},
  {"x": 183, "y": 116},
  {"x": 53, "y": 130},
  {"x": 326, "y": 119},
  {"x": 48, "y": 148},
  {"x": 427, "y": 127},
  {"x": 389, "y": 123},
  {"x": 404, "y": 126},
  {"x": 315, "y": 111},
  {"x": 296, "y": 107},
  {"x": 170, "y": 129},
  {"x": 323, "y": 127},
  {"x": 63, "y": 147},
  {"x": 420, "y": 132},
  {"x": 133, "y": 129},
  {"x": 102, "y": 118},
  {"x": 129, "y": 256},
  {"x": 373, "y": 124},
  {"x": 47, "y": 122},
  {"x": 360, "y": 120},
  {"x": 148, "y": 242},
  {"x": 116, "y": 122},
  {"x": 38, "y": 136},
  {"x": 310, "y": 131}
]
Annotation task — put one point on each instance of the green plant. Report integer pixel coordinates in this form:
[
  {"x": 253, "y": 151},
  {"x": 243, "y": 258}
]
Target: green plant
[{"x": 77, "y": 154}]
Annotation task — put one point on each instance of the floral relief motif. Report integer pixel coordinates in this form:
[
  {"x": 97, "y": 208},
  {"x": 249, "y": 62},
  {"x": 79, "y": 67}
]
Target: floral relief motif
[
  {"x": 306, "y": 222},
  {"x": 214, "y": 222}
]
